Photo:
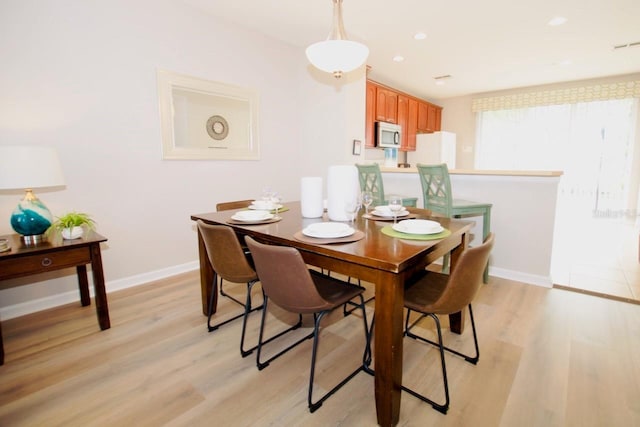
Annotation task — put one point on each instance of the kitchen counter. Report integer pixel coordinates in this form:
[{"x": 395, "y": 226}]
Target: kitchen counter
[
  {"x": 479, "y": 172},
  {"x": 518, "y": 197}
]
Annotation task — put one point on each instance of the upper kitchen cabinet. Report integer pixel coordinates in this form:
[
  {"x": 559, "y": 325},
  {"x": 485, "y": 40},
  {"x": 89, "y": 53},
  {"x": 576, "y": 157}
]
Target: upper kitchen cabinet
[
  {"x": 386, "y": 105},
  {"x": 407, "y": 118},
  {"x": 370, "y": 117},
  {"x": 429, "y": 117},
  {"x": 414, "y": 115},
  {"x": 412, "y": 125}
]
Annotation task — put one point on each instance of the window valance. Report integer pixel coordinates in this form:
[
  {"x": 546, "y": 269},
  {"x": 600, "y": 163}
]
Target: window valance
[{"x": 601, "y": 92}]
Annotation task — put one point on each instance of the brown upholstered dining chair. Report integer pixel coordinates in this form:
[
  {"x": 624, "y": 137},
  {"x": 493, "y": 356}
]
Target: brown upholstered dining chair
[
  {"x": 236, "y": 204},
  {"x": 432, "y": 294},
  {"x": 288, "y": 282},
  {"x": 228, "y": 262},
  {"x": 225, "y": 206}
]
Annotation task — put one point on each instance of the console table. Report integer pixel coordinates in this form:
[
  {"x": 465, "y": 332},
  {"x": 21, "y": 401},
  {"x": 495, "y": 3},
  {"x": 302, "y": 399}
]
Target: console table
[{"x": 56, "y": 254}]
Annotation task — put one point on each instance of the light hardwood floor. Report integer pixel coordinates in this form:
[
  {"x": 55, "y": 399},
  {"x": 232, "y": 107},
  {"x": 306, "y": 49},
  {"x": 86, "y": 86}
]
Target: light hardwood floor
[{"x": 548, "y": 358}]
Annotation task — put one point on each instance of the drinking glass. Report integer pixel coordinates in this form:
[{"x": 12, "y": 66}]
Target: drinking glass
[
  {"x": 395, "y": 204},
  {"x": 367, "y": 199},
  {"x": 275, "y": 200},
  {"x": 351, "y": 207},
  {"x": 267, "y": 194}
]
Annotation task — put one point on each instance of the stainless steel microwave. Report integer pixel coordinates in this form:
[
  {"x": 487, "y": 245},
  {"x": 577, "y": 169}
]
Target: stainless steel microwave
[{"x": 388, "y": 135}]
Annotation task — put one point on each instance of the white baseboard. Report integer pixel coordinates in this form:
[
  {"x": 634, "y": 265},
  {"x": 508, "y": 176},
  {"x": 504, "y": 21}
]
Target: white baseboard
[
  {"x": 531, "y": 279},
  {"x": 39, "y": 304}
]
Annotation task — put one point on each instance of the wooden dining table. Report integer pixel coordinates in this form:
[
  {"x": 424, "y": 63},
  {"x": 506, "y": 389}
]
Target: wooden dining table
[{"x": 377, "y": 258}]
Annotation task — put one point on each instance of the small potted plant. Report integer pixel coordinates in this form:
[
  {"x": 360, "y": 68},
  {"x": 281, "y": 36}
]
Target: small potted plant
[{"x": 72, "y": 225}]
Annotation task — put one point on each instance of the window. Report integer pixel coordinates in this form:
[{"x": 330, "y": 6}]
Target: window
[{"x": 591, "y": 142}]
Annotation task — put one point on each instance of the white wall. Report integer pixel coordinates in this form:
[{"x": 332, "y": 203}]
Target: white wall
[
  {"x": 81, "y": 76},
  {"x": 522, "y": 218}
]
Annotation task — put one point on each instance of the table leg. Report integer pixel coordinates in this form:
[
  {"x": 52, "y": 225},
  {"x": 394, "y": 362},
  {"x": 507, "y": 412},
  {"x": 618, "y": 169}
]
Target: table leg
[
  {"x": 456, "y": 320},
  {"x": 486, "y": 228},
  {"x": 388, "y": 347},
  {"x": 83, "y": 284},
  {"x": 102, "y": 307},
  {"x": 1, "y": 346},
  {"x": 206, "y": 278}
]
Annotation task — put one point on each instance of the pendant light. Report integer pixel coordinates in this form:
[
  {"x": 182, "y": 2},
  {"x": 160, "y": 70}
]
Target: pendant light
[{"x": 337, "y": 54}]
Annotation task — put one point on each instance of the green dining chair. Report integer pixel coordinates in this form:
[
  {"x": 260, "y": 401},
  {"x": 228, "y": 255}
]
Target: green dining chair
[
  {"x": 437, "y": 196},
  {"x": 371, "y": 180}
]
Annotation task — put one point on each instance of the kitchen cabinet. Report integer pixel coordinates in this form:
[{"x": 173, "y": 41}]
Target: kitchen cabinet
[
  {"x": 412, "y": 125},
  {"x": 403, "y": 116},
  {"x": 423, "y": 113},
  {"x": 414, "y": 115},
  {"x": 408, "y": 119},
  {"x": 429, "y": 117},
  {"x": 386, "y": 105},
  {"x": 370, "y": 117}
]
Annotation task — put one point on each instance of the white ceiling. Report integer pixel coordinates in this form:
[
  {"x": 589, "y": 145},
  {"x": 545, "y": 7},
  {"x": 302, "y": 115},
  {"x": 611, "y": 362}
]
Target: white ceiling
[{"x": 484, "y": 45}]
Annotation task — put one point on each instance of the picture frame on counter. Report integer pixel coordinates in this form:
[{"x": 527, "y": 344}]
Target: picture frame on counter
[
  {"x": 207, "y": 120},
  {"x": 357, "y": 147}
]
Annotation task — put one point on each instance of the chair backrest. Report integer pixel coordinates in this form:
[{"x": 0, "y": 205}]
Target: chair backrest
[
  {"x": 236, "y": 204},
  {"x": 422, "y": 213},
  {"x": 436, "y": 188},
  {"x": 285, "y": 278},
  {"x": 371, "y": 180},
  {"x": 225, "y": 254},
  {"x": 465, "y": 279}
]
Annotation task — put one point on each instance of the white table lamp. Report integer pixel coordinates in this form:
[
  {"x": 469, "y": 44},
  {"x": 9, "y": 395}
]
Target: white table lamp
[{"x": 29, "y": 167}]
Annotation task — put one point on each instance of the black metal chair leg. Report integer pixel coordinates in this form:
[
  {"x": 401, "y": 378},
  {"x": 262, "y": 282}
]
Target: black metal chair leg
[
  {"x": 248, "y": 310},
  {"x": 437, "y": 406},
  {"x": 367, "y": 356},
  {"x": 261, "y": 365},
  {"x": 470, "y": 359},
  {"x": 244, "y": 313},
  {"x": 313, "y": 406}
]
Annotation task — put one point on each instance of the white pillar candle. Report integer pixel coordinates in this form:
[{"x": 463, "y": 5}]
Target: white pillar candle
[
  {"x": 342, "y": 186},
  {"x": 311, "y": 203}
]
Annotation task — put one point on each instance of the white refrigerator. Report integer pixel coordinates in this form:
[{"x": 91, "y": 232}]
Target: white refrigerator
[{"x": 434, "y": 148}]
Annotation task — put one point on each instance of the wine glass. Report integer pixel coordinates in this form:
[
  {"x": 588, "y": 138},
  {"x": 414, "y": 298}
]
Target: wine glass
[
  {"x": 395, "y": 204},
  {"x": 275, "y": 200},
  {"x": 367, "y": 200},
  {"x": 267, "y": 195}
]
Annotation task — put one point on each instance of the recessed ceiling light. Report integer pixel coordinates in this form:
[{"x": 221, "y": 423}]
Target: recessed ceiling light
[
  {"x": 557, "y": 20},
  {"x": 398, "y": 58},
  {"x": 420, "y": 36}
]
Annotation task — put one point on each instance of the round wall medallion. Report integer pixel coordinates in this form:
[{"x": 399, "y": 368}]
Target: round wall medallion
[{"x": 217, "y": 127}]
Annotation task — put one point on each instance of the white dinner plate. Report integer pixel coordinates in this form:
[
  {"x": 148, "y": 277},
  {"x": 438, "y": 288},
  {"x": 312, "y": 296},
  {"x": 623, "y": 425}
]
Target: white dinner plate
[
  {"x": 252, "y": 216},
  {"x": 388, "y": 213},
  {"x": 328, "y": 230},
  {"x": 418, "y": 226}
]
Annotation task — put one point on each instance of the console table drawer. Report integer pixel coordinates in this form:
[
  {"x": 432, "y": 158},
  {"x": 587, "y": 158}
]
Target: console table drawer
[{"x": 40, "y": 263}]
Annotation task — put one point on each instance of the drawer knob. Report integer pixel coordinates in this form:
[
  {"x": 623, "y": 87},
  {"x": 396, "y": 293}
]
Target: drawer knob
[{"x": 46, "y": 262}]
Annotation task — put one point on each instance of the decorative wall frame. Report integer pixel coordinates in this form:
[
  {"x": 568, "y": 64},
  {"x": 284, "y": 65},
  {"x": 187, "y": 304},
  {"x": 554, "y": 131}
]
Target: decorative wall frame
[{"x": 202, "y": 119}]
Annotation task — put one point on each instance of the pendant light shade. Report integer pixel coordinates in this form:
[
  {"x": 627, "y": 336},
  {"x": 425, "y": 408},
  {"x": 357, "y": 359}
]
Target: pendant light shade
[{"x": 337, "y": 54}]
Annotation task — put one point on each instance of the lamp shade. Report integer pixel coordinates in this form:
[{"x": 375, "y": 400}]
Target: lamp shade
[
  {"x": 337, "y": 56},
  {"x": 25, "y": 167}
]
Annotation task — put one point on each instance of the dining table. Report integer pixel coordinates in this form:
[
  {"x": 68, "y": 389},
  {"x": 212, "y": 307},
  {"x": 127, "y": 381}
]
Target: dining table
[{"x": 379, "y": 256}]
